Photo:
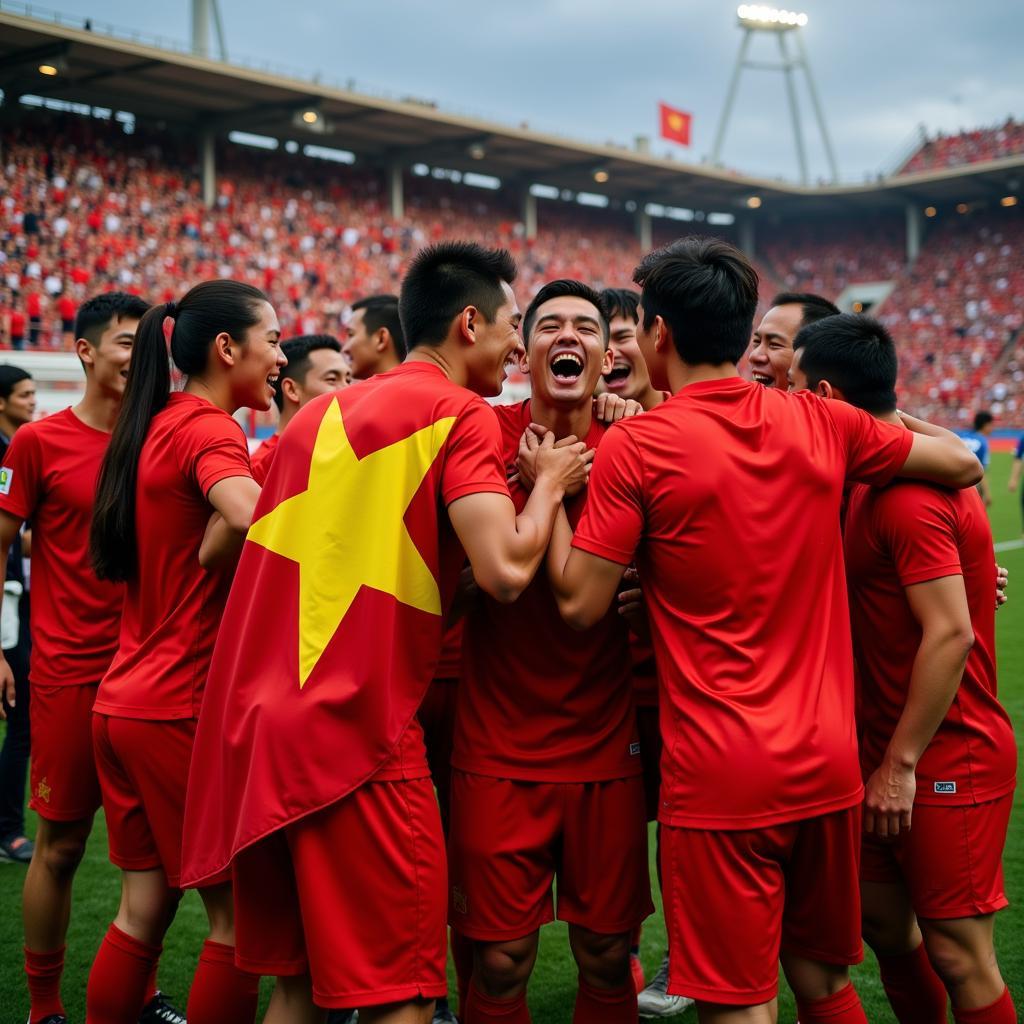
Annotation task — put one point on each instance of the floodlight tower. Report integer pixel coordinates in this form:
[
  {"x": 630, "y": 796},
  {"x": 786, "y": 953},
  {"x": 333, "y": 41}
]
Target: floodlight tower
[
  {"x": 783, "y": 24},
  {"x": 203, "y": 13}
]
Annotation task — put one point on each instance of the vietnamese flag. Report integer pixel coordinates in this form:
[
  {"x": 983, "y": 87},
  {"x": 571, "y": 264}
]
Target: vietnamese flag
[
  {"x": 334, "y": 623},
  {"x": 675, "y": 124}
]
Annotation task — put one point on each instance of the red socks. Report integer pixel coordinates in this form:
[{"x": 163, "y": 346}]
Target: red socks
[
  {"x": 604, "y": 1005},
  {"x": 151, "y": 989},
  {"x": 118, "y": 979},
  {"x": 481, "y": 1009},
  {"x": 841, "y": 1008},
  {"x": 221, "y": 993},
  {"x": 999, "y": 1012},
  {"x": 44, "y": 971},
  {"x": 916, "y": 993},
  {"x": 462, "y": 957}
]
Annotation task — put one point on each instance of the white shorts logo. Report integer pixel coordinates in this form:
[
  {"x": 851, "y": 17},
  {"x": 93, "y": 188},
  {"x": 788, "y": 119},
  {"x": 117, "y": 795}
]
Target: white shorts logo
[
  {"x": 945, "y": 787},
  {"x": 6, "y": 476}
]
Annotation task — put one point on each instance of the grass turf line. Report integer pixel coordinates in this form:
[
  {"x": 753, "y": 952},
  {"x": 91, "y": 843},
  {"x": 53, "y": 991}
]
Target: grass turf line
[{"x": 553, "y": 986}]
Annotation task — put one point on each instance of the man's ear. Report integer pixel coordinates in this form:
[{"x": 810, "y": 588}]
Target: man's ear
[
  {"x": 469, "y": 319},
  {"x": 290, "y": 390},
  {"x": 825, "y": 390}
]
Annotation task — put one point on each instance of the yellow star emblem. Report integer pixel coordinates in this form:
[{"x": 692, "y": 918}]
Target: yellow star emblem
[
  {"x": 347, "y": 529},
  {"x": 675, "y": 122},
  {"x": 43, "y": 790}
]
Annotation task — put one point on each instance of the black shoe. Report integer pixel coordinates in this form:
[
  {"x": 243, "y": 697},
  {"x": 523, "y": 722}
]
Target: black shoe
[
  {"x": 19, "y": 849},
  {"x": 160, "y": 1010},
  {"x": 54, "y": 1018}
]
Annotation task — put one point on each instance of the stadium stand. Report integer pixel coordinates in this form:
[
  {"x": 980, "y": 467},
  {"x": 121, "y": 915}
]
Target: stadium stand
[{"x": 968, "y": 147}]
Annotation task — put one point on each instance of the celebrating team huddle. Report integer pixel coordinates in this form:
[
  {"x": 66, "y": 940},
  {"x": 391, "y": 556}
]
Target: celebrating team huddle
[{"x": 420, "y": 657}]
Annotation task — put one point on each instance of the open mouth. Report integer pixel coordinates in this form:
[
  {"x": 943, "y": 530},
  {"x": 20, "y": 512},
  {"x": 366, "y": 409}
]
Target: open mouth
[
  {"x": 762, "y": 378},
  {"x": 566, "y": 367},
  {"x": 617, "y": 376}
]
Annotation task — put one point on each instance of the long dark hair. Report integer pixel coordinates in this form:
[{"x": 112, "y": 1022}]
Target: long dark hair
[{"x": 208, "y": 309}]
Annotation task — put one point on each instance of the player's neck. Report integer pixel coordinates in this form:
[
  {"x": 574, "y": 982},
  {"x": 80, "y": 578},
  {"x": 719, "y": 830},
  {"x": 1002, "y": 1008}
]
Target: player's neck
[
  {"x": 681, "y": 374},
  {"x": 98, "y": 409},
  {"x": 287, "y": 414},
  {"x": 563, "y": 422},
  {"x": 890, "y": 417},
  {"x": 214, "y": 389},
  {"x": 650, "y": 398}
]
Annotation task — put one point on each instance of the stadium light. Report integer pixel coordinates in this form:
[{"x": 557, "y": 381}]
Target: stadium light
[
  {"x": 1008, "y": 201},
  {"x": 754, "y": 202},
  {"x": 961, "y": 207},
  {"x": 310, "y": 116},
  {"x": 930, "y": 211},
  {"x": 772, "y": 18},
  {"x": 601, "y": 176},
  {"x": 477, "y": 151},
  {"x": 52, "y": 68}
]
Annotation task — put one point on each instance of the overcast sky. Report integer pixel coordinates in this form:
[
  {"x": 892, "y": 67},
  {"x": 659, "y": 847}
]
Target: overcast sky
[{"x": 596, "y": 69}]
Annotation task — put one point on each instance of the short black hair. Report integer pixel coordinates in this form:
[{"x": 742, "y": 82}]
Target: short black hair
[
  {"x": 564, "y": 286},
  {"x": 382, "y": 311},
  {"x": 982, "y": 419},
  {"x": 621, "y": 302},
  {"x": 296, "y": 351},
  {"x": 706, "y": 292},
  {"x": 854, "y": 353},
  {"x": 443, "y": 280},
  {"x": 9, "y": 376},
  {"x": 815, "y": 307},
  {"x": 95, "y": 314}
]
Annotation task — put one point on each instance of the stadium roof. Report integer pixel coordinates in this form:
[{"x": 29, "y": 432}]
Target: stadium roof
[{"x": 161, "y": 84}]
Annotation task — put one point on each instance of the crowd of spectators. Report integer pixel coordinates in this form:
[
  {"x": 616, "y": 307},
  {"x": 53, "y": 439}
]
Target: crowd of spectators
[
  {"x": 100, "y": 209},
  {"x": 967, "y": 147}
]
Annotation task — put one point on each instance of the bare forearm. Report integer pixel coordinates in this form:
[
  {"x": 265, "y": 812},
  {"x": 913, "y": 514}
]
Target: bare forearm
[
  {"x": 222, "y": 543},
  {"x": 1015, "y": 473},
  {"x": 533, "y": 527},
  {"x": 924, "y": 427},
  {"x": 938, "y": 669},
  {"x": 559, "y": 550}
]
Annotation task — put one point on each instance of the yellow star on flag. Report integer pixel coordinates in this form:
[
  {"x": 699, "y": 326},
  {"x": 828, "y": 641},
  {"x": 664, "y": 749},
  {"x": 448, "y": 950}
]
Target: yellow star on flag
[
  {"x": 347, "y": 529},
  {"x": 675, "y": 122}
]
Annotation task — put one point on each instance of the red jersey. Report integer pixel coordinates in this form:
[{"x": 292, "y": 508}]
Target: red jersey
[
  {"x": 645, "y": 673},
  {"x": 728, "y": 495},
  {"x": 50, "y": 473},
  {"x": 450, "y": 665},
  {"x": 263, "y": 458},
  {"x": 334, "y": 626},
  {"x": 539, "y": 701},
  {"x": 895, "y": 537},
  {"x": 173, "y": 606}
]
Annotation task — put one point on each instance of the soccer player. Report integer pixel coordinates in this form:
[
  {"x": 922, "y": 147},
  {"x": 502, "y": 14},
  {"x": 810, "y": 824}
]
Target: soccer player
[
  {"x": 976, "y": 440},
  {"x": 628, "y": 377},
  {"x": 174, "y": 500},
  {"x": 376, "y": 341},
  {"x": 17, "y": 407},
  {"x": 330, "y": 638},
  {"x": 547, "y": 774},
  {"x": 771, "y": 349},
  {"x": 936, "y": 747},
  {"x": 1017, "y": 472},
  {"x": 728, "y": 496},
  {"x": 315, "y": 367},
  {"x": 52, "y": 467}
]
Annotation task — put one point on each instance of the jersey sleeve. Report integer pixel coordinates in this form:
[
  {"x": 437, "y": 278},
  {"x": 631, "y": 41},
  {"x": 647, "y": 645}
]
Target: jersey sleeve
[
  {"x": 919, "y": 528},
  {"x": 1019, "y": 453},
  {"x": 983, "y": 453},
  {"x": 875, "y": 451},
  {"x": 473, "y": 462},
  {"x": 210, "y": 447},
  {"x": 21, "y": 477},
  {"x": 613, "y": 518}
]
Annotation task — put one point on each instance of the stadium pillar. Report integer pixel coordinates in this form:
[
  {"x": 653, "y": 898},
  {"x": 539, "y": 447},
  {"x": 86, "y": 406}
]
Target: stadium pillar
[
  {"x": 747, "y": 237},
  {"x": 913, "y": 232},
  {"x": 530, "y": 214},
  {"x": 208, "y": 166},
  {"x": 396, "y": 191},
  {"x": 643, "y": 231}
]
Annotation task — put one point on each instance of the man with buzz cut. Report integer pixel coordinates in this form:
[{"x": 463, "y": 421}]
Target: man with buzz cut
[
  {"x": 315, "y": 367},
  {"x": 376, "y": 340},
  {"x": 52, "y": 467},
  {"x": 936, "y": 747},
  {"x": 547, "y": 778},
  {"x": 771, "y": 350},
  {"x": 727, "y": 497}
]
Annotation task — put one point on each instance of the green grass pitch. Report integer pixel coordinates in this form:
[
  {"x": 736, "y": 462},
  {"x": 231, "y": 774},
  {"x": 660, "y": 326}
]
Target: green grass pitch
[{"x": 554, "y": 981}]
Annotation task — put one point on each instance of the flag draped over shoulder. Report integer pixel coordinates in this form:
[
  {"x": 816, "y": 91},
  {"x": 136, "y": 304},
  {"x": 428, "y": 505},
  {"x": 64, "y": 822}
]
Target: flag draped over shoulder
[{"x": 334, "y": 622}]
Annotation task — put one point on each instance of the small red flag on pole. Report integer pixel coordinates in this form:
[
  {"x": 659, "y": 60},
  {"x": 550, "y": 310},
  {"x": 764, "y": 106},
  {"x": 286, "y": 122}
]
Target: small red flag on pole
[{"x": 675, "y": 124}]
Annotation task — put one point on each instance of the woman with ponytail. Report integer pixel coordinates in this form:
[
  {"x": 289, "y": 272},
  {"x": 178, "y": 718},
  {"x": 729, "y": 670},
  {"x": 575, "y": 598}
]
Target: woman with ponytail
[{"x": 175, "y": 482}]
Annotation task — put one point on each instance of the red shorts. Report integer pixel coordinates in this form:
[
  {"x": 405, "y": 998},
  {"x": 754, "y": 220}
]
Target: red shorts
[
  {"x": 951, "y": 860},
  {"x": 143, "y": 769},
  {"x": 437, "y": 717},
  {"x": 353, "y": 894},
  {"x": 510, "y": 840},
  {"x": 733, "y": 899},
  {"x": 649, "y": 733},
  {"x": 64, "y": 785}
]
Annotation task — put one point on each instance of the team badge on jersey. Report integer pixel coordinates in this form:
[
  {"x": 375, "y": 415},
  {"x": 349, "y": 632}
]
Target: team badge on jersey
[
  {"x": 945, "y": 787},
  {"x": 6, "y": 477}
]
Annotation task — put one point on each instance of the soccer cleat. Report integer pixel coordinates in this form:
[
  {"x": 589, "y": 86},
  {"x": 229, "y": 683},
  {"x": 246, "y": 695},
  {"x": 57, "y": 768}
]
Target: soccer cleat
[
  {"x": 160, "y": 1010},
  {"x": 16, "y": 848},
  {"x": 636, "y": 969},
  {"x": 655, "y": 1000},
  {"x": 54, "y": 1018}
]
